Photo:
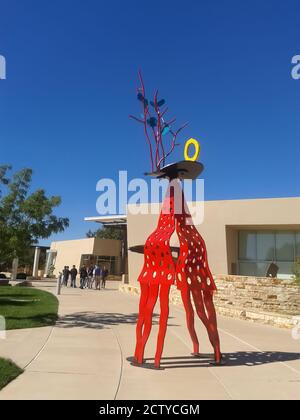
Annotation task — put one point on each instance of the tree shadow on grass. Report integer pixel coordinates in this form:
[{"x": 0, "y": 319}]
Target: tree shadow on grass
[
  {"x": 235, "y": 359},
  {"x": 26, "y": 322},
  {"x": 15, "y": 302},
  {"x": 99, "y": 321},
  {"x": 18, "y": 296}
]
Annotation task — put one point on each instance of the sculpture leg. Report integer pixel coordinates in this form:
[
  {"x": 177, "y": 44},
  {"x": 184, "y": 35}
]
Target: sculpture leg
[
  {"x": 152, "y": 299},
  {"x": 212, "y": 324},
  {"x": 204, "y": 304},
  {"x": 190, "y": 318},
  {"x": 163, "y": 322},
  {"x": 141, "y": 318}
]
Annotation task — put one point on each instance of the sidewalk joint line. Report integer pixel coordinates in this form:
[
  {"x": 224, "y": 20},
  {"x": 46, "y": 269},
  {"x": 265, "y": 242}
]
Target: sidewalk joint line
[
  {"x": 42, "y": 348},
  {"x": 122, "y": 363}
]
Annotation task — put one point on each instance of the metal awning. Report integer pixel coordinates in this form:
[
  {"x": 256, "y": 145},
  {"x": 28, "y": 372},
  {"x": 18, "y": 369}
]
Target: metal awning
[{"x": 117, "y": 220}]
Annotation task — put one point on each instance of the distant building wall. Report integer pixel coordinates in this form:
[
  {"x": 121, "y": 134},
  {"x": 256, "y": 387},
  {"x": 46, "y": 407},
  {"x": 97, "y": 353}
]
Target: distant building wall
[
  {"x": 107, "y": 247},
  {"x": 70, "y": 252}
]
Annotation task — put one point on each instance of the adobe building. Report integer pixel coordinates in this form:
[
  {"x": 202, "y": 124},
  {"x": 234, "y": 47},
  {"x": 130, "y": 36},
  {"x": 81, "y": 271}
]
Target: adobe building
[
  {"x": 89, "y": 251},
  {"x": 243, "y": 237}
]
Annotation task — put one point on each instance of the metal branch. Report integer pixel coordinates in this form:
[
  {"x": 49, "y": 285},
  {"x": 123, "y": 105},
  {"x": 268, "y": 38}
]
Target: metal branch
[
  {"x": 136, "y": 119},
  {"x": 157, "y": 124},
  {"x": 145, "y": 121}
]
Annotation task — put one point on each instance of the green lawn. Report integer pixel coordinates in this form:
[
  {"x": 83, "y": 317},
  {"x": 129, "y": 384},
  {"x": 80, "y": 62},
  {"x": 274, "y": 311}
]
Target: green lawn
[
  {"x": 27, "y": 307},
  {"x": 8, "y": 372}
]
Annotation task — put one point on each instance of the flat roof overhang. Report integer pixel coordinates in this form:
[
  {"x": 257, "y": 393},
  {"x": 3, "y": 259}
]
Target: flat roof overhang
[{"x": 117, "y": 220}]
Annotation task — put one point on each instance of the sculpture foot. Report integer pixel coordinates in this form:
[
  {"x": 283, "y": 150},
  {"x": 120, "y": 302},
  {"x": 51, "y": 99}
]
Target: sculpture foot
[
  {"x": 153, "y": 366},
  {"x": 144, "y": 365},
  {"x": 219, "y": 362},
  {"x": 202, "y": 355},
  {"x": 134, "y": 361}
]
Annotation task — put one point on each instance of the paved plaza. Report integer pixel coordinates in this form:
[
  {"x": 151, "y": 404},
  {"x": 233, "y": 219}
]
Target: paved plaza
[{"x": 85, "y": 356}]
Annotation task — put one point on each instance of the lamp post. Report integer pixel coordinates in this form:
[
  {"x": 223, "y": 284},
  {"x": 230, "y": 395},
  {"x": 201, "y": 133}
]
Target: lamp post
[{"x": 58, "y": 285}]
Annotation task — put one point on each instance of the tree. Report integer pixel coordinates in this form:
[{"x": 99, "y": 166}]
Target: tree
[
  {"x": 25, "y": 217},
  {"x": 107, "y": 232}
]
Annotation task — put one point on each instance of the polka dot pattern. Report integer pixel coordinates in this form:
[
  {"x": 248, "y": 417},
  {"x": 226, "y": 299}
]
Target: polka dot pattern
[
  {"x": 192, "y": 269},
  {"x": 159, "y": 267}
]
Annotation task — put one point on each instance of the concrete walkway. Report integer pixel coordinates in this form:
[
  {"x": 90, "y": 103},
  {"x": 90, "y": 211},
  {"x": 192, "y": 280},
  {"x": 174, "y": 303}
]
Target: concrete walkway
[{"x": 85, "y": 356}]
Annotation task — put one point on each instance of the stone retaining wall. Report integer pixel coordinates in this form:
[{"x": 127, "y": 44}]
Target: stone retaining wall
[
  {"x": 265, "y": 294},
  {"x": 265, "y": 300}
]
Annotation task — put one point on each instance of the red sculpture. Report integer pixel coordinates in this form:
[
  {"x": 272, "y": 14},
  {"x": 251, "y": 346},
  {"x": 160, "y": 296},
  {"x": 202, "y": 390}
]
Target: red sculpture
[
  {"x": 194, "y": 279},
  {"x": 191, "y": 271},
  {"x": 156, "y": 278}
]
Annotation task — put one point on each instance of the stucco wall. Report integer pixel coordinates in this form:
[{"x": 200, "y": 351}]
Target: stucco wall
[
  {"x": 70, "y": 252},
  {"x": 219, "y": 217}
]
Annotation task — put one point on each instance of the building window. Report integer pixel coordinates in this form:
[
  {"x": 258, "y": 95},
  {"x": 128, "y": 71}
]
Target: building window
[
  {"x": 109, "y": 262},
  {"x": 258, "y": 249}
]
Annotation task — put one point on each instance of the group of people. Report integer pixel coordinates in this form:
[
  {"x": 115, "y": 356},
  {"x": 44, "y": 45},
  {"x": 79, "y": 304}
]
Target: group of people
[{"x": 94, "y": 275}]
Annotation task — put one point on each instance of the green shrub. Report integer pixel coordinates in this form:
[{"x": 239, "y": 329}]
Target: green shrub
[{"x": 296, "y": 271}]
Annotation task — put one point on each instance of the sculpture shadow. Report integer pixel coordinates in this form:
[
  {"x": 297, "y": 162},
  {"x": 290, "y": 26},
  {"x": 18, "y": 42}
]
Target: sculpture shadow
[
  {"x": 98, "y": 321},
  {"x": 241, "y": 358}
]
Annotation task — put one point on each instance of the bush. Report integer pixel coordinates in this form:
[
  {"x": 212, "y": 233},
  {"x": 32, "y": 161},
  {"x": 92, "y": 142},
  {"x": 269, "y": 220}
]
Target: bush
[
  {"x": 21, "y": 276},
  {"x": 296, "y": 271}
]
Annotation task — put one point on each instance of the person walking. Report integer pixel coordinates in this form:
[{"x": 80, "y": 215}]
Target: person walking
[
  {"x": 104, "y": 276},
  {"x": 70, "y": 277},
  {"x": 90, "y": 276},
  {"x": 97, "y": 272},
  {"x": 60, "y": 278},
  {"x": 66, "y": 273},
  {"x": 73, "y": 273},
  {"x": 83, "y": 277}
]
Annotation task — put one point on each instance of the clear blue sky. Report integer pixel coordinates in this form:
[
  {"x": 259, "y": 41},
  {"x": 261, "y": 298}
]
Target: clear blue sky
[{"x": 224, "y": 66}]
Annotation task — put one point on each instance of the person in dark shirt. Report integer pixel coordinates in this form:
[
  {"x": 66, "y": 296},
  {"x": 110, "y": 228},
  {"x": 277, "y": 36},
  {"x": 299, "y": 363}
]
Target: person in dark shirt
[
  {"x": 66, "y": 274},
  {"x": 97, "y": 273},
  {"x": 104, "y": 277},
  {"x": 83, "y": 277},
  {"x": 73, "y": 273}
]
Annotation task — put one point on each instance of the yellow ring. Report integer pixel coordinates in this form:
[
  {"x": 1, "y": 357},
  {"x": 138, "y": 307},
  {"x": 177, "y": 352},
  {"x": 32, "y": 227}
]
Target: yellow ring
[{"x": 195, "y": 143}]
